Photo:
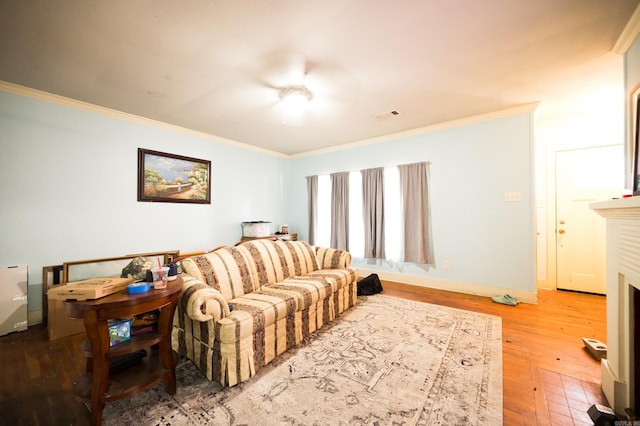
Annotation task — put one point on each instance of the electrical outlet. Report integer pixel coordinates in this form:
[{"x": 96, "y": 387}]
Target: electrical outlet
[
  {"x": 445, "y": 264},
  {"x": 512, "y": 196}
]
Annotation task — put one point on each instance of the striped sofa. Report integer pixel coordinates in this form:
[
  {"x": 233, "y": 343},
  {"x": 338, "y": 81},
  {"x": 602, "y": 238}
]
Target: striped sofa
[{"x": 242, "y": 306}]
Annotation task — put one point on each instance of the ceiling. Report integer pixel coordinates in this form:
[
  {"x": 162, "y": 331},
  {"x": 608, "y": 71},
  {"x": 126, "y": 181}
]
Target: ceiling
[{"x": 217, "y": 66}]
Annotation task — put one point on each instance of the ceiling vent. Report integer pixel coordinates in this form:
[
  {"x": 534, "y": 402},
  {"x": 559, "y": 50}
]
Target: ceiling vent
[{"x": 386, "y": 115}]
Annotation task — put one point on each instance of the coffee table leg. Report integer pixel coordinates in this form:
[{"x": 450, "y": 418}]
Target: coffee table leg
[
  {"x": 166, "y": 352},
  {"x": 97, "y": 333}
]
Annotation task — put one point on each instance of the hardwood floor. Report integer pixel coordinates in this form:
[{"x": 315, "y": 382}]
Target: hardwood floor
[
  {"x": 548, "y": 377},
  {"x": 543, "y": 357}
]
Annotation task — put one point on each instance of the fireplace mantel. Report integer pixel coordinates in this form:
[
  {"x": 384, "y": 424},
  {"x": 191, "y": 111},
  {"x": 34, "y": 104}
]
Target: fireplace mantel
[
  {"x": 623, "y": 275},
  {"x": 623, "y": 208}
]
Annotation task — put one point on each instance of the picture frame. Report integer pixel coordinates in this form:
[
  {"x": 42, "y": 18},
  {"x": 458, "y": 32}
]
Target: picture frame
[
  {"x": 109, "y": 266},
  {"x": 172, "y": 178},
  {"x": 634, "y": 145}
]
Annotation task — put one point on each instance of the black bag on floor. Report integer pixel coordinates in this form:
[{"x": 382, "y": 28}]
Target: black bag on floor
[{"x": 369, "y": 285}]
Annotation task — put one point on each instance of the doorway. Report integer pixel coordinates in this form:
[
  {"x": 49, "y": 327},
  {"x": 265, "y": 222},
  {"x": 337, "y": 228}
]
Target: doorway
[{"x": 584, "y": 176}]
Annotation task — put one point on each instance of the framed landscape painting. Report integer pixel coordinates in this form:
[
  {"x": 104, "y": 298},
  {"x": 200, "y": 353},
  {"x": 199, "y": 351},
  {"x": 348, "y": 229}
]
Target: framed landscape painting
[{"x": 173, "y": 178}]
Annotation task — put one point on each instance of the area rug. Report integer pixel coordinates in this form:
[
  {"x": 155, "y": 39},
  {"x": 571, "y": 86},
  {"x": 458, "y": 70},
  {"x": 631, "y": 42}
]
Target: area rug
[{"x": 387, "y": 361}]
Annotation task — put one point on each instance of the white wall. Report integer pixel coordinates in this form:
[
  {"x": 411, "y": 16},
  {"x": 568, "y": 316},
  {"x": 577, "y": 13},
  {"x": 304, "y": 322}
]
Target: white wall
[
  {"x": 70, "y": 179},
  {"x": 488, "y": 242},
  {"x": 631, "y": 81},
  {"x": 69, "y": 189}
]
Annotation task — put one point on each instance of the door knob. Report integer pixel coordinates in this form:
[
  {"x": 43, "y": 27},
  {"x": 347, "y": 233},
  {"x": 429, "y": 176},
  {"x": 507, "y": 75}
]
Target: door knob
[{"x": 561, "y": 231}]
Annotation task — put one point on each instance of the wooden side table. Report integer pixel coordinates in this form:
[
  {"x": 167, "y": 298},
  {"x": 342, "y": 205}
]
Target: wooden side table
[
  {"x": 274, "y": 237},
  {"x": 96, "y": 387}
]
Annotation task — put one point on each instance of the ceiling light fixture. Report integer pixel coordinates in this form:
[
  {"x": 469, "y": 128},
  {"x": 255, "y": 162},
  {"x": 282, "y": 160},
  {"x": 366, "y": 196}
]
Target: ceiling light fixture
[
  {"x": 294, "y": 102},
  {"x": 297, "y": 96}
]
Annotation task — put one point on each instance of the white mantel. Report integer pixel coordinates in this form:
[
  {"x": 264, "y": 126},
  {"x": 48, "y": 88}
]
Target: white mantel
[{"x": 623, "y": 271}]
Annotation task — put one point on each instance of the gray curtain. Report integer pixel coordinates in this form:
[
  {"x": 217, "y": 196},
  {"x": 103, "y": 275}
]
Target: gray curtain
[
  {"x": 414, "y": 183},
  {"x": 340, "y": 210},
  {"x": 312, "y": 206},
  {"x": 373, "y": 212}
]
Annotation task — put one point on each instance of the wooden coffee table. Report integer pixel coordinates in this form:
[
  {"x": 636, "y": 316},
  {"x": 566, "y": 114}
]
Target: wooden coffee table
[{"x": 96, "y": 386}]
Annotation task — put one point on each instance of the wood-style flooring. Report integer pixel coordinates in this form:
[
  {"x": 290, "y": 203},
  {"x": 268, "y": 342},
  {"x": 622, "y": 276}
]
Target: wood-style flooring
[{"x": 548, "y": 377}]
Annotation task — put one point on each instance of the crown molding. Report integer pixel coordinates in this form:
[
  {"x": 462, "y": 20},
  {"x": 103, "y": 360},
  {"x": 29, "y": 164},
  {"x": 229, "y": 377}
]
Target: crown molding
[
  {"x": 28, "y": 92},
  {"x": 466, "y": 121},
  {"x": 629, "y": 34},
  {"x": 19, "y": 90}
]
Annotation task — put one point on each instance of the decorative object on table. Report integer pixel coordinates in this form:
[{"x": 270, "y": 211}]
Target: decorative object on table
[
  {"x": 173, "y": 178},
  {"x": 137, "y": 268},
  {"x": 284, "y": 229},
  {"x": 119, "y": 331},
  {"x": 160, "y": 277},
  {"x": 386, "y": 361},
  {"x": 174, "y": 269},
  {"x": 256, "y": 229},
  {"x": 137, "y": 288}
]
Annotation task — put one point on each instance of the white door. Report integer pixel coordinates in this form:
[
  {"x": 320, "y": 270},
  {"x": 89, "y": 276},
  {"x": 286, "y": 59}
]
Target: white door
[{"x": 584, "y": 176}]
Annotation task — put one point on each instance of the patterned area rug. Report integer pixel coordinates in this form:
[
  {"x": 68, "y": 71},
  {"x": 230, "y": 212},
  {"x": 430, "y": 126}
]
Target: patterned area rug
[{"x": 387, "y": 361}]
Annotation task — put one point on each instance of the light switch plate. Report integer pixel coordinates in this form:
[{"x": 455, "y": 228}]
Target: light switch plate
[{"x": 512, "y": 196}]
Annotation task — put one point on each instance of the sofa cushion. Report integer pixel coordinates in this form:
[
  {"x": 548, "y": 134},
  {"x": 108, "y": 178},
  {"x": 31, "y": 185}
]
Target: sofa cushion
[
  {"x": 331, "y": 258},
  {"x": 226, "y": 269},
  {"x": 274, "y": 261},
  {"x": 338, "y": 278},
  {"x": 307, "y": 289}
]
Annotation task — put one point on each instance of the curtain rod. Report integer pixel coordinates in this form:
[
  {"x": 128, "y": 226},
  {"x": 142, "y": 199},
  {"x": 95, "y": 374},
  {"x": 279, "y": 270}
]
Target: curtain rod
[{"x": 379, "y": 167}]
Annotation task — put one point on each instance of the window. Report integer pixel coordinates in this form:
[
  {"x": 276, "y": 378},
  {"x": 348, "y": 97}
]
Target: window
[{"x": 402, "y": 242}]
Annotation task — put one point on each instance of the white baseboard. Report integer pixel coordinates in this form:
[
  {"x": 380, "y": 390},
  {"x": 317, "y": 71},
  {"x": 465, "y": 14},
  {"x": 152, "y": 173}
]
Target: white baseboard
[
  {"x": 614, "y": 388},
  {"x": 455, "y": 286}
]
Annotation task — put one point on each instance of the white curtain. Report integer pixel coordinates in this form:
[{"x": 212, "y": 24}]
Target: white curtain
[
  {"x": 356, "y": 230},
  {"x": 312, "y": 206},
  {"x": 323, "y": 218},
  {"x": 393, "y": 215},
  {"x": 340, "y": 210},
  {"x": 414, "y": 186},
  {"x": 401, "y": 201},
  {"x": 373, "y": 212}
]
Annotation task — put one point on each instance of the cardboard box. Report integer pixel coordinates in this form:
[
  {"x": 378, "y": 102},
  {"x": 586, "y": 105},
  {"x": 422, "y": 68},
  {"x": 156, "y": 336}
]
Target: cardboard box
[
  {"x": 119, "y": 331},
  {"x": 93, "y": 288},
  {"x": 58, "y": 322},
  {"x": 13, "y": 299}
]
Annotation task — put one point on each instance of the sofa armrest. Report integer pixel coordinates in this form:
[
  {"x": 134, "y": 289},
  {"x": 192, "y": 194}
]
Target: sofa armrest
[
  {"x": 201, "y": 302},
  {"x": 329, "y": 258}
]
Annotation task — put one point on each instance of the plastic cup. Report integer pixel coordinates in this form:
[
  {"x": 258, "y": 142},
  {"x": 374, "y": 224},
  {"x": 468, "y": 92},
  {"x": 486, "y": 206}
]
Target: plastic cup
[{"x": 160, "y": 277}]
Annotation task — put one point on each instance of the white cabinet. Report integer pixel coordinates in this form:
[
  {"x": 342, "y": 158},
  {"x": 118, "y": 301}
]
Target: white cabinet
[{"x": 13, "y": 299}]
